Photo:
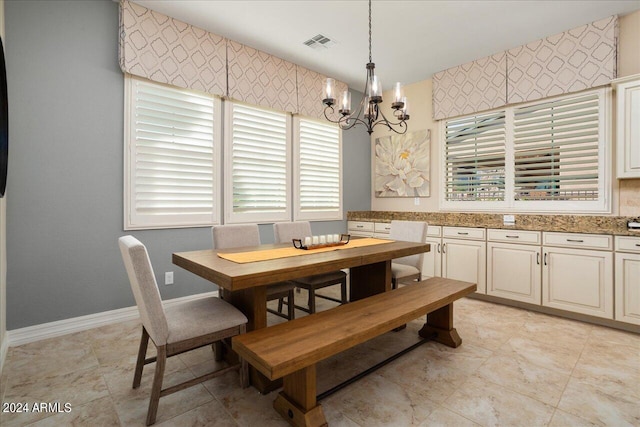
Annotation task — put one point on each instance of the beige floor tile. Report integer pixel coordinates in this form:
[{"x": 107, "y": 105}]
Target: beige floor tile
[
  {"x": 547, "y": 355},
  {"x": 114, "y": 342},
  {"x": 360, "y": 402},
  {"x": 54, "y": 356},
  {"x": 615, "y": 336},
  {"x": 517, "y": 374},
  {"x": 544, "y": 328},
  {"x": 443, "y": 417},
  {"x": 75, "y": 388},
  {"x": 435, "y": 370},
  {"x": 603, "y": 404},
  {"x": 132, "y": 406},
  {"x": 611, "y": 366},
  {"x": 211, "y": 414},
  {"x": 492, "y": 405},
  {"x": 99, "y": 412},
  {"x": 563, "y": 419}
]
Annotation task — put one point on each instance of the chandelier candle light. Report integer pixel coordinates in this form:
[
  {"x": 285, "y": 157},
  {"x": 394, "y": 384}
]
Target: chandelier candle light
[{"x": 368, "y": 113}]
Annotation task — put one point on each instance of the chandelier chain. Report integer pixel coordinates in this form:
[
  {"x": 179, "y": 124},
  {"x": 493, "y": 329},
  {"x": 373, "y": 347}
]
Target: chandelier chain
[{"x": 370, "y": 31}]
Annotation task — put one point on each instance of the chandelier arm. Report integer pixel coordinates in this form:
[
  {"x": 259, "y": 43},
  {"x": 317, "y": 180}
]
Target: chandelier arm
[{"x": 384, "y": 121}]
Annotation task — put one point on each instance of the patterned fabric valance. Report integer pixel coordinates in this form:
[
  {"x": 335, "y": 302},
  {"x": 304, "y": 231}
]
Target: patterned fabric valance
[
  {"x": 571, "y": 61},
  {"x": 261, "y": 79},
  {"x": 165, "y": 50},
  {"x": 310, "y": 91},
  {"x": 465, "y": 89}
]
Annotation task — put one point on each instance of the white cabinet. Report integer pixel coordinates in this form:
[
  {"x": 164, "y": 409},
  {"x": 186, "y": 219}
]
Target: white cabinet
[
  {"x": 627, "y": 286},
  {"x": 360, "y": 228},
  {"x": 628, "y": 126},
  {"x": 432, "y": 264},
  {"x": 578, "y": 280},
  {"x": 514, "y": 269},
  {"x": 464, "y": 255},
  {"x": 381, "y": 230}
]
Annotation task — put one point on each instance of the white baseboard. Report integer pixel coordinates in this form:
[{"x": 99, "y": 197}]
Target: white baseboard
[{"x": 77, "y": 324}]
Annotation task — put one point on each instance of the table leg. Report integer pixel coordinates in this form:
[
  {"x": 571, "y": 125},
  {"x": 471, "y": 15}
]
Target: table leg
[
  {"x": 441, "y": 322},
  {"x": 296, "y": 403},
  {"x": 368, "y": 280},
  {"x": 253, "y": 303}
]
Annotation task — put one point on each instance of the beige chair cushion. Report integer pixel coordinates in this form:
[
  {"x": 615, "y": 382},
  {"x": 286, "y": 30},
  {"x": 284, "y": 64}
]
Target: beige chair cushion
[
  {"x": 201, "y": 317},
  {"x": 398, "y": 271}
]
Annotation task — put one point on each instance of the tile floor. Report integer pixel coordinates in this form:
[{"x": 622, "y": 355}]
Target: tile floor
[{"x": 514, "y": 368}]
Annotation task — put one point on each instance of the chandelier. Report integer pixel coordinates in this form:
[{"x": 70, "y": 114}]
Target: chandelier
[{"x": 368, "y": 112}]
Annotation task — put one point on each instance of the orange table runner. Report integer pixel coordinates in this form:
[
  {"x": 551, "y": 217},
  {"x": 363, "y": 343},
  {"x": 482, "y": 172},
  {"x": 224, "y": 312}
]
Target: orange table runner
[{"x": 269, "y": 254}]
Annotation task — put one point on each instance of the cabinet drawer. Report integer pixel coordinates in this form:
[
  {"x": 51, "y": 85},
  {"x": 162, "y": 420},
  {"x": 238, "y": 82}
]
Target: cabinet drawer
[
  {"x": 575, "y": 240},
  {"x": 360, "y": 226},
  {"x": 434, "y": 230},
  {"x": 464, "y": 233},
  {"x": 514, "y": 236},
  {"x": 628, "y": 244},
  {"x": 382, "y": 227}
]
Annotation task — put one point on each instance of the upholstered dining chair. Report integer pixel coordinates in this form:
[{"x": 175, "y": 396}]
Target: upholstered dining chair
[
  {"x": 235, "y": 236},
  {"x": 175, "y": 329},
  {"x": 284, "y": 232},
  {"x": 407, "y": 269}
]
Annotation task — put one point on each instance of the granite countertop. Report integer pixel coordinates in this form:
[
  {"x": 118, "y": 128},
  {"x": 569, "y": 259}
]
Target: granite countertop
[{"x": 616, "y": 225}]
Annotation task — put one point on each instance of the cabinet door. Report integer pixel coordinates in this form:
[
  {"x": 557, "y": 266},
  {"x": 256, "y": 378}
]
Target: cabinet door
[
  {"x": 432, "y": 264},
  {"x": 628, "y": 288},
  {"x": 514, "y": 272},
  {"x": 465, "y": 260},
  {"x": 628, "y": 129},
  {"x": 578, "y": 280}
]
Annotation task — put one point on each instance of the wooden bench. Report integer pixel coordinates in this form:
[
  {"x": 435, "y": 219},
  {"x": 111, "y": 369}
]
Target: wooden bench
[{"x": 291, "y": 350}]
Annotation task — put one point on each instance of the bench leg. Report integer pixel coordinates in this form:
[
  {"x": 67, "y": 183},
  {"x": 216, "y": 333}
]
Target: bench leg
[
  {"x": 296, "y": 403},
  {"x": 441, "y": 322}
]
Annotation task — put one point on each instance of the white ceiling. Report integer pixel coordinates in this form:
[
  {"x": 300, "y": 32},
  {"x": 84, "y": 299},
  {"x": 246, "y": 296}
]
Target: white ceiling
[{"x": 411, "y": 39}]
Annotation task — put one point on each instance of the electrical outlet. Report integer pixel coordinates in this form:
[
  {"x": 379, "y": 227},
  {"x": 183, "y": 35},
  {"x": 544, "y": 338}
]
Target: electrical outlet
[
  {"x": 168, "y": 278},
  {"x": 509, "y": 219},
  {"x": 416, "y": 201}
]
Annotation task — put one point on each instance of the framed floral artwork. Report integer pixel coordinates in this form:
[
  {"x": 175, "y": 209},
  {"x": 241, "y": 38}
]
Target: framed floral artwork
[{"x": 403, "y": 165}]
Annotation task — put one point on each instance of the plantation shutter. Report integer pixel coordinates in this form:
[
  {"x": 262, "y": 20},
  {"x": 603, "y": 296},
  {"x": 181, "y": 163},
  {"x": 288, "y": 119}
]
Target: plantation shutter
[
  {"x": 171, "y": 156},
  {"x": 557, "y": 149},
  {"x": 259, "y": 158},
  {"x": 318, "y": 171},
  {"x": 475, "y": 158}
]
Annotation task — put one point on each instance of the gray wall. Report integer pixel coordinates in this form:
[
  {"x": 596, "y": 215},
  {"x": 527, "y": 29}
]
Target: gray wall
[{"x": 64, "y": 203}]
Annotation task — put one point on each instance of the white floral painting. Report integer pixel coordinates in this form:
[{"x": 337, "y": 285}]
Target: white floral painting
[{"x": 402, "y": 165}]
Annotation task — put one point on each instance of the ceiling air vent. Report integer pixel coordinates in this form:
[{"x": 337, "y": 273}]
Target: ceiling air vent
[{"x": 320, "y": 41}]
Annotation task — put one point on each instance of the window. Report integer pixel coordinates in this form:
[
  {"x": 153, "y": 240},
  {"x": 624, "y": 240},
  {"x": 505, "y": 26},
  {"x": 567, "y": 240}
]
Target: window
[
  {"x": 172, "y": 139},
  {"x": 257, "y": 159},
  {"x": 550, "y": 155},
  {"x": 475, "y": 158},
  {"x": 317, "y": 171},
  {"x": 173, "y": 161}
]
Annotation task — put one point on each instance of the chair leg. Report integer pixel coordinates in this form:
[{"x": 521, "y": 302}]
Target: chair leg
[
  {"x": 343, "y": 291},
  {"x": 280, "y": 300},
  {"x": 244, "y": 366},
  {"x": 218, "y": 350},
  {"x": 312, "y": 300},
  {"x": 157, "y": 385},
  {"x": 142, "y": 354},
  {"x": 291, "y": 306}
]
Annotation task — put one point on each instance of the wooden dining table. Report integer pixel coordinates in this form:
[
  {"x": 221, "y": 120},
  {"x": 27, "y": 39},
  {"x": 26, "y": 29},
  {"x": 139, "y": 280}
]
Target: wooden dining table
[{"x": 244, "y": 284}]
